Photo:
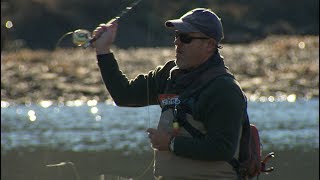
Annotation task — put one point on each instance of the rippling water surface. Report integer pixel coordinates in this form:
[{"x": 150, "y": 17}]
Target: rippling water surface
[{"x": 93, "y": 126}]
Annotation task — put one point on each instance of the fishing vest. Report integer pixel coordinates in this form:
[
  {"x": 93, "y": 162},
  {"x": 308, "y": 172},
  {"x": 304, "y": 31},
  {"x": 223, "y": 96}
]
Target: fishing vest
[{"x": 167, "y": 164}]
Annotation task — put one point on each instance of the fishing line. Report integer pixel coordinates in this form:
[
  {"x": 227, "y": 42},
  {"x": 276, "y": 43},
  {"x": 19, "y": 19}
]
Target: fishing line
[
  {"x": 83, "y": 38},
  {"x": 61, "y": 38},
  {"x": 148, "y": 121},
  {"x": 64, "y": 164}
]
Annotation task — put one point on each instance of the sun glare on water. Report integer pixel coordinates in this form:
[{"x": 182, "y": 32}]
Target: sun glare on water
[
  {"x": 32, "y": 115},
  {"x": 4, "y": 104},
  {"x": 92, "y": 102},
  {"x": 291, "y": 98},
  {"x": 77, "y": 102},
  {"x": 46, "y": 104},
  {"x": 94, "y": 110}
]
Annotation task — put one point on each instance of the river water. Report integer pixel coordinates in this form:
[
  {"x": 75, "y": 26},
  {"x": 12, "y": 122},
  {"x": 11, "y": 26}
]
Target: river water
[{"x": 98, "y": 126}]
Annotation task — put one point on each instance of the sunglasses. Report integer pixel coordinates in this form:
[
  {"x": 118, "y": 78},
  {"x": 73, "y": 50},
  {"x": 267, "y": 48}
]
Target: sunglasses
[{"x": 185, "y": 38}]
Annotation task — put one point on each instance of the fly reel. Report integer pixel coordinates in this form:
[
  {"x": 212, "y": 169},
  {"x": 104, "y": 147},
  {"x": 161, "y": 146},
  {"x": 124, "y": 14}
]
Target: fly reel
[{"x": 80, "y": 37}]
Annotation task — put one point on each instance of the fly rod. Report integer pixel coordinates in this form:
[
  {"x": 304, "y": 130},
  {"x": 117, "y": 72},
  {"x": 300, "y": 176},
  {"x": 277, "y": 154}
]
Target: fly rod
[{"x": 82, "y": 37}]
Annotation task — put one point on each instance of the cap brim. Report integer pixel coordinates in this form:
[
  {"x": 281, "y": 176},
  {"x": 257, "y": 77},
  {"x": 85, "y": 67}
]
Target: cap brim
[{"x": 180, "y": 25}]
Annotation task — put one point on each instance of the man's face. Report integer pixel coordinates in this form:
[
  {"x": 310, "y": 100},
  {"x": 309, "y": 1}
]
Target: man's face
[{"x": 190, "y": 54}]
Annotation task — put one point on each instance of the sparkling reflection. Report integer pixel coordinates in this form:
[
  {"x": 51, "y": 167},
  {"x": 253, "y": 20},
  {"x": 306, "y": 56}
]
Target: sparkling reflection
[
  {"x": 94, "y": 110},
  {"x": 4, "y": 104},
  {"x": 92, "y": 102},
  {"x": 291, "y": 98},
  {"x": 32, "y": 115},
  {"x": 75, "y": 103},
  {"x": 98, "y": 118},
  {"x": 105, "y": 126},
  {"x": 46, "y": 104}
]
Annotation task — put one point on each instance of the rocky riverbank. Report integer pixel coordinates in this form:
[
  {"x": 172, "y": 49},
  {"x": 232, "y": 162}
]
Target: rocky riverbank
[{"x": 275, "y": 67}]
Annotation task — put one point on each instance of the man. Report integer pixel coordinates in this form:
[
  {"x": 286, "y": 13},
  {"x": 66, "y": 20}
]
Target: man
[{"x": 197, "y": 134}]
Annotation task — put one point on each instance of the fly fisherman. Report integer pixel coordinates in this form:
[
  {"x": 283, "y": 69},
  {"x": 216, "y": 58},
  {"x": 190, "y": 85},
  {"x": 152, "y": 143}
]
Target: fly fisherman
[{"x": 202, "y": 104}]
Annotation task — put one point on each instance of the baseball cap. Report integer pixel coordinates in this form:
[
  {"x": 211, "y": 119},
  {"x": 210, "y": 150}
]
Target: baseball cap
[{"x": 199, "y": 20}]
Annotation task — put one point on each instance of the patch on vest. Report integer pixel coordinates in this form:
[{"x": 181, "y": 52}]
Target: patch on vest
[{"x": 168, "y": 99}]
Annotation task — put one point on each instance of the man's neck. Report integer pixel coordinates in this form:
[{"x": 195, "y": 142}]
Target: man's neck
[{"x": 206, "y": 58}]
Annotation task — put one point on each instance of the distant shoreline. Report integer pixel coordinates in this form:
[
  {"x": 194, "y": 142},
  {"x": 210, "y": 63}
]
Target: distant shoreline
[{"x": 277, "y": 66}]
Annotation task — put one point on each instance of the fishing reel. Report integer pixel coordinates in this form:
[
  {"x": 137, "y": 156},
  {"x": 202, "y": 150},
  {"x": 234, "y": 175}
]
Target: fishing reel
[{"x": 80, "y": 37}]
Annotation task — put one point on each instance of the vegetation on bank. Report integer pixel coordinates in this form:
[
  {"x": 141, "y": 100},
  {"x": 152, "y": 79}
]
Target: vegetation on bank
[
  {"x": 276, "y": 67},
  {"x": 40, "y": 23}
]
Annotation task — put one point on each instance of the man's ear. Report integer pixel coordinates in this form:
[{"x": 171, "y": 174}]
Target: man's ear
[{"x": 212, "y": 45}]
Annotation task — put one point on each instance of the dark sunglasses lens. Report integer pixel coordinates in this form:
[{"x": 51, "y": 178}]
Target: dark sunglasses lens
[{"x": 184, "y": 38}]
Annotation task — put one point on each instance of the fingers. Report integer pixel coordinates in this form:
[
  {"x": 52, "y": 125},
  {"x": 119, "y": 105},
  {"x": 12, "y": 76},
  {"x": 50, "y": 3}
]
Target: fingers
[
  {"x": 103, "y": 37},
  {"x": 105, "y": 27},
  {"x": 113, "y": 21},
  {"x": 159, "y": 139},
  {"x": 99, "y": 30},
  {"x": 152, "y": 134},
  {"x": 151, "y": 130}
]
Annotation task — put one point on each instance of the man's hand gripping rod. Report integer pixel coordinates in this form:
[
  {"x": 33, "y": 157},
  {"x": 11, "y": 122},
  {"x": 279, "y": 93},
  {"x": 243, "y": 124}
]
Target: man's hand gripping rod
[
  {"x": 82, "y": 37},
  {"x": 91, "y": 40}
]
